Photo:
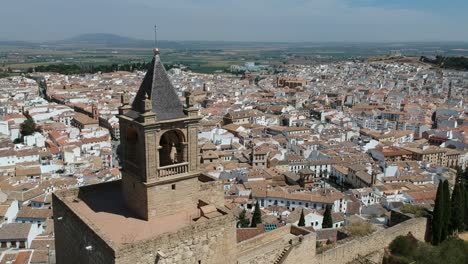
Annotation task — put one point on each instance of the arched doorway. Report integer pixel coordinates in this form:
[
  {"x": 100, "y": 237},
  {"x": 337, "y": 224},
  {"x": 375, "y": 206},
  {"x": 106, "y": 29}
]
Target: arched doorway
[{"x": 172, "y": 148}]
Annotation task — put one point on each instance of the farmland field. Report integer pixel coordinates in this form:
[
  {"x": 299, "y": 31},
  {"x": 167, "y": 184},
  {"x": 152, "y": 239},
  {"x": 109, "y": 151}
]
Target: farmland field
[{"x": 212, "y": 56}]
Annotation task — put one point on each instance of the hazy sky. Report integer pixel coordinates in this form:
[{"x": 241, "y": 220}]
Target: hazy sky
[{"x": 241, "y": 20}]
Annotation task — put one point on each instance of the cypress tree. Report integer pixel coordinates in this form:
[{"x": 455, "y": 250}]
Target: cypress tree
[
  {"x": 446, "y": 212},
  {"x": 327, "y": 218},
  {"x": 243, "y": 221},
  {"x": 257, "y": 216},
  {"x": 464, "y": 194},
  {"x": 457, "y": 221},
  {"x": 437, "y": 216},
  {"x": 301, "y": 219},
  {"x": 465, "y": 203}
]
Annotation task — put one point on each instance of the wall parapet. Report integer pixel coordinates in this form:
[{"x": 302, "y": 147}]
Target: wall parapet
[
  {"x": 266, "y": 237},
  {"x": 363, "y": 246}
]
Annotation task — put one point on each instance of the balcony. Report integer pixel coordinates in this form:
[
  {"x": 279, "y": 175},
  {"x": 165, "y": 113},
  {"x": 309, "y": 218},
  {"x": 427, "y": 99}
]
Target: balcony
[{"x": 179, "y": 168}]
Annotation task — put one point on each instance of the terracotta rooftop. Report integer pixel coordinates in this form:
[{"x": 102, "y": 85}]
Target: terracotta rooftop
[
  {"x": 41, "y": 243},
  {"x": 28, "y": 212},
  {"x": 18, "y": 231},
  {"x": 393, "y": 151},
  {"x": 39, "y": 256},
  {"x": 84, "y": 119},
  {"x": 23, "y": 257}
]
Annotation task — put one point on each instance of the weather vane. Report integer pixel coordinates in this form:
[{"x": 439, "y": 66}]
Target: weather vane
[
  {"x": 156, "y": 49},
  {"x": 155, "y": 37}
]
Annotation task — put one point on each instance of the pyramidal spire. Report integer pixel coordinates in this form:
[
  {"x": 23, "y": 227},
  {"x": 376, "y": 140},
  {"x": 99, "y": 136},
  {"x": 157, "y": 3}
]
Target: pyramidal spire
[{"x": 158, "y": 88}]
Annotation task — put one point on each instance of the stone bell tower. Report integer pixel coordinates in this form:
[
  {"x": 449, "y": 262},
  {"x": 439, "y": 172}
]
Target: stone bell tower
[{"x": 160, "y": 157}]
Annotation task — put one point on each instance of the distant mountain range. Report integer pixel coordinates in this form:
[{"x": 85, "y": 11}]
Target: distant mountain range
[
  {"x": 116, "y": 41},
  {"x": 112, "y": 41},
  {"x": 97, "y": 40},
  {"x": 104, "y": 40}
]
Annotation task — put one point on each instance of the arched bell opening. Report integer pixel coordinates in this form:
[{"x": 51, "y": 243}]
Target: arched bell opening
[{"x": 172, "y": 148}]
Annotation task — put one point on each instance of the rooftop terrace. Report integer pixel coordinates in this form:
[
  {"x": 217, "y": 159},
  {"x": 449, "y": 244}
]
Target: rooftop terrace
[{"x": 102, "y": 206}]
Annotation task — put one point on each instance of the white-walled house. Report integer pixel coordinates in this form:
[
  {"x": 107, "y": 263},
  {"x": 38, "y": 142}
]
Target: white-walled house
[
  {"x": 9, "y": 211},
  {"x": 366, "y": 195},
  {"x": 313, "y": 219},
  {"x": 7, "y": 157},
  {"x": 219, "y": 136},
  {"x": 317, "y": 166},
  {"x": 35, "y": 140},
  {"x": 71, "y": 153},
  {"x": 312, "y": 200},
  {"x": 15, "y": 132},
  {"x": 47, "y": 112},
  {"x": 27, "y": 155},
  {"x": 4, "y": 128}
]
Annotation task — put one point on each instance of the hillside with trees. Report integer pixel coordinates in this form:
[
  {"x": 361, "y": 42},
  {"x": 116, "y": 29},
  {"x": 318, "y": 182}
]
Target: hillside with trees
[{"x": 454, "y": 63}]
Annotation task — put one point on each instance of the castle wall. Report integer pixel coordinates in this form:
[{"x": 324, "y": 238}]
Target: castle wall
[
  {"x": 163, "y": 200},
  {"x": 363, "y": 246},
  {"x": 135, "y": 195},
  {"x": 264, "y": 248},
  {"x": 212, "y": 192},
  {"x": 303, "y": 252},
  {"x": 72, "y": 236},
  {"x": 208, "y": 242},
  {"x": 265, "y": 254}
]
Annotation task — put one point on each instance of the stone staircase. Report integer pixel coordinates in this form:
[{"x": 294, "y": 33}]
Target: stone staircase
[{"x": 280, "y": 259}]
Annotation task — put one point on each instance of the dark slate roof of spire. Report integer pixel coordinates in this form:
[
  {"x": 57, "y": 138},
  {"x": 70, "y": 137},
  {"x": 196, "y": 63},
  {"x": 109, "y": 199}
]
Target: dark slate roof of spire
[{"x": 158, "y": 87}]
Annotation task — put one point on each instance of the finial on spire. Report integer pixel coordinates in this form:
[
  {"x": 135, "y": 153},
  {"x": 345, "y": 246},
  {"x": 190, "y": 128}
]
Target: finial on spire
[
  {"x": 155, "y": 36},
  {"x": 156, "y": 48}
]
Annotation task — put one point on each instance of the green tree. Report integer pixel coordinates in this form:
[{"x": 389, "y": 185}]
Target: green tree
[
  {"x": 465, "y": 195},
  {"x": 28, "y": 127},
  {"x": 446, "y": 212},
  {"x": 243, "y": 221},
  {"x": 327, "y": 218},
  {"x": 457, "y": 219},
  {"x": 409, "y": 250},
  {"x": 403, "y": 246},
  {"x": 301, "y": 219},
  {"x": 257, "y": 216},
  {"x": 437, "y": 215}
]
